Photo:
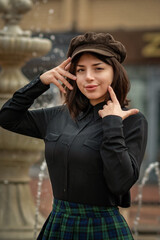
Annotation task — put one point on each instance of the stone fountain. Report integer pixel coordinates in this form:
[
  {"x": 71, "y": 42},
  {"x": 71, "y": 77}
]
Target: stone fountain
[{"x": 17, "y": 152}]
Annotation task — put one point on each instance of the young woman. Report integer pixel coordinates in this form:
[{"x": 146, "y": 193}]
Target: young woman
[{"x": 94, "y": 145}]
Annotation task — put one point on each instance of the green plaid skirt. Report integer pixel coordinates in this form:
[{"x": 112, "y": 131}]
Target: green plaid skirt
[{"x": 74, "y": 221}]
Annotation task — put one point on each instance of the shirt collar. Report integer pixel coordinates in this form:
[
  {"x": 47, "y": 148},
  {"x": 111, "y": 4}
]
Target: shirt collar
[
  {"x": 85, "y": 113},
  {"x": 93, "y": 109},
  {"x": 96, "y": 108}
]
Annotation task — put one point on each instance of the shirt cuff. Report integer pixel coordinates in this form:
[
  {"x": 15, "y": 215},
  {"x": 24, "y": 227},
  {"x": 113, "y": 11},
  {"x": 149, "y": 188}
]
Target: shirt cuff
[
  {"x": 35, "y": 87},
  {"x": 112, "y": 127}
]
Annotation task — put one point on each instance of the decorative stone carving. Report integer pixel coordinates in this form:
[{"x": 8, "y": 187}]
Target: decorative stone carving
[{"x": 17, "y": 152}]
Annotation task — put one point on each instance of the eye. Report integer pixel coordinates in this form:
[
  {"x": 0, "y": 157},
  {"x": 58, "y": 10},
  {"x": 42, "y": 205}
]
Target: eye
[
  {"x": 99, "y": 68},
  {"x": 80, "y": 70}
]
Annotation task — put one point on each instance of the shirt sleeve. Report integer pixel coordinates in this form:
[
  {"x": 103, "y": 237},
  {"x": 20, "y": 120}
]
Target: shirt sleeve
[
  {"x": 122, "y": 151},
  {"x": 16, "y": 117}
]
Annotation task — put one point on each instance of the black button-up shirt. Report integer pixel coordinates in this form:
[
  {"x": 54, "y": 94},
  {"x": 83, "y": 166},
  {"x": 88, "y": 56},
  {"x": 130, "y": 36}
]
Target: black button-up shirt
[{"x": 90, "y": 160}]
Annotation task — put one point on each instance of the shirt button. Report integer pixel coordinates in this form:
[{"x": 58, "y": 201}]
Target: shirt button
[{"x": 64, "y": 190}]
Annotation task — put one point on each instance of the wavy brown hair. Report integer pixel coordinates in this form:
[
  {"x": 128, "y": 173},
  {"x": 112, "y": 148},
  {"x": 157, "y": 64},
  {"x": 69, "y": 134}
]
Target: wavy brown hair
[{"x": 77, "y": 102}]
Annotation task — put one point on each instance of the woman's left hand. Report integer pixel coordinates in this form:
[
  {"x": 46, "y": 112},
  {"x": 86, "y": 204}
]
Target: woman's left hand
[{"x": 113, "y": 107}]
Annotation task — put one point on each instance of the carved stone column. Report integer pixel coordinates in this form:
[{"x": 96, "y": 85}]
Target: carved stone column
[{"x": 17, "y": 152}]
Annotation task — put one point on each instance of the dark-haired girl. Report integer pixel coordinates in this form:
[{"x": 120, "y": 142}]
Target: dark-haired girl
[{"x": 94, "y": 144}]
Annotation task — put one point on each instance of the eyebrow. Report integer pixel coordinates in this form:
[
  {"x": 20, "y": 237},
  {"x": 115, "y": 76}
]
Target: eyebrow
[{"x": 95, "y": 64}]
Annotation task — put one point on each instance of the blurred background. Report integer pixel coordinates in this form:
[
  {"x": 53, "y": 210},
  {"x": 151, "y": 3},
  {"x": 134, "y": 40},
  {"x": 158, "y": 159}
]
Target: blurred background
[{"x": 137, "y": 25}]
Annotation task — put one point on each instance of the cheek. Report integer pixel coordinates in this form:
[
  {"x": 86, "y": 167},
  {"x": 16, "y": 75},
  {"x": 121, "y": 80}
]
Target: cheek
[
  {"x": 105, "y": 84},
  {"x": 79, "y": 83},
  {"x": 110, "y": 80}
]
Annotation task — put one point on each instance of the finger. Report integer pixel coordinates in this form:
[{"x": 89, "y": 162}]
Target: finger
[
  {"x": 67, "y": 74},
  {"x": 108, "y": 102},
  {"x": 130, "y": 112},
  {"x": 68, "y": 66},
  {"x": 112, "y": 95},
  {"x": 100, "y": 113},
  {"x": 63, "y": 80},
  {"x": 65, "y": 62},
  {"x": 59, "y": 85}
]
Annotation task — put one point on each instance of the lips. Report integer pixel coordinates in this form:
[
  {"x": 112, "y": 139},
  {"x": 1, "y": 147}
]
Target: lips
[{"x": 91, "y": 87}]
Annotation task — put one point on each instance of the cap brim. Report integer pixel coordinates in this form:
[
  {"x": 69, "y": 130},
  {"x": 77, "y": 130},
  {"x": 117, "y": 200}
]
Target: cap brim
[{"x": 99, "y": 51}]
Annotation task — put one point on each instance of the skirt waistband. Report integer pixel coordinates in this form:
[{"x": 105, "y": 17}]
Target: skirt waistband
[{"x": 78, "y": 209}]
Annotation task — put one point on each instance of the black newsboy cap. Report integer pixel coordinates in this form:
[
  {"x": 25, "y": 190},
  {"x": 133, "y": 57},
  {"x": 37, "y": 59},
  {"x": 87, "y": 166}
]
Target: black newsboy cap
[{"x": 102, "y": 43}]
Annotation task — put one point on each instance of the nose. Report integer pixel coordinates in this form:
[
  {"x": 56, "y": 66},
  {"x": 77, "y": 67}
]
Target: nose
[{"x": 89, "y": 75}]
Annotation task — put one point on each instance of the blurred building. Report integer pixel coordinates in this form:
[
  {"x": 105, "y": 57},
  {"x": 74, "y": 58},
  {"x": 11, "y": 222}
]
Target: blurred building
[{"x": 135, "y": 23}]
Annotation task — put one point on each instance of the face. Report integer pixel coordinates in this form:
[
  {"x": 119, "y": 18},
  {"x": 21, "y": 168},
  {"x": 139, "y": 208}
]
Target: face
[{"x": 93, "y": 78}]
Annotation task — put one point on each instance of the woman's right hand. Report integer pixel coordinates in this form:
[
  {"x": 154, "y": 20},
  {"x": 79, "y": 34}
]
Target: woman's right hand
[{"x": 59, "y": 73}]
